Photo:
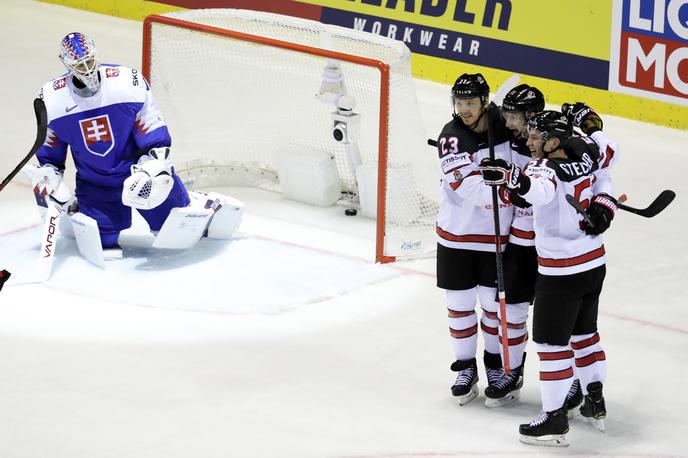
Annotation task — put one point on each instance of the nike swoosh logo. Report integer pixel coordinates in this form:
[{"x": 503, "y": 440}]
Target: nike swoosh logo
[{"x": 68, "y": 109}]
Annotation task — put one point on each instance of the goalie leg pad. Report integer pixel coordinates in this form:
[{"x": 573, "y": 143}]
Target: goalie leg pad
[
  {"x": 88, "y": 238},
  {"x": 227, "y": 216},
  {"x": 177, "y": 198},
  {"x": 183, "y": 228}
]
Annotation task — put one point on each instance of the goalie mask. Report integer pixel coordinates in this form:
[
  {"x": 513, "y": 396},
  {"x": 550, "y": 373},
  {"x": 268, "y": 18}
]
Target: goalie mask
[
  {"x": 149, "y": 184},
  {"x": 78, "y": 54}
]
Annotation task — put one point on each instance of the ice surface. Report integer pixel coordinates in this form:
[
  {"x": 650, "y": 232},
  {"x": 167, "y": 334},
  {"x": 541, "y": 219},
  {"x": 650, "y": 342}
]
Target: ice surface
[{"x": 289, "y": 341}]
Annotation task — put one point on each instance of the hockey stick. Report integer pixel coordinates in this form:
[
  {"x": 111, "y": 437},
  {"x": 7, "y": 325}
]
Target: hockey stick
[
  {"x": 661, "y": 202},
  {"x": 49, "y": 240},
  {"x": 501, "y": 294},
  {"x": 41, "y": 133},
  {"x": 506, "y": 86},
  {"x": 579, "y": 208}
]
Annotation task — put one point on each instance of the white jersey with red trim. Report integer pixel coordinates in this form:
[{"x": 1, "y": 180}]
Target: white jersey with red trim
[
  {"x": 465, "y": 218},
  {"x": 609, "y": 156},
  {"x": 562, "y": 245},
  {"x": 521, "y": 232}
]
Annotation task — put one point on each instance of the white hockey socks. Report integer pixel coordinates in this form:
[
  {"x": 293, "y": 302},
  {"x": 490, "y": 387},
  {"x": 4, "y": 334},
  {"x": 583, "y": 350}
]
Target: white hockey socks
[
  {"x": 517, "y": 332},
  {"x": 489, "y": 322},
  {"x": 463, "y": 322},
  {"x": 591, "y": 362},
  {"x": 556, "y": 374}
]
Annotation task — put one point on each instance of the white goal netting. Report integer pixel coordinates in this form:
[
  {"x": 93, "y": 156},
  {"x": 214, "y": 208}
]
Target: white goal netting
[{"x": 233, "y": 102}]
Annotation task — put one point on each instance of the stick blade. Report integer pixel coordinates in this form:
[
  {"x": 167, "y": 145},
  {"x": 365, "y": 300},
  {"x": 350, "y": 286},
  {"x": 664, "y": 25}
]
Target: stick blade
[{"x": 661, "y": 202}]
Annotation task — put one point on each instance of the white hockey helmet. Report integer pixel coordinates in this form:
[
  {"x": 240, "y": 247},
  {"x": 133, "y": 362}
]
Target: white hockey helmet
[
  {"x": 149, "y": 184},
  {"x": 78, "y": 54}
]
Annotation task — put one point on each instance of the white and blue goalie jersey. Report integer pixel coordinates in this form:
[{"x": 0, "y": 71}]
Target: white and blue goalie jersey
[{"x": 106, "y": 132}]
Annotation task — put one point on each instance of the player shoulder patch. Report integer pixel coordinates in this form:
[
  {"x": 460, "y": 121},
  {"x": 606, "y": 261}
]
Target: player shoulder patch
[
  {"x": 111, "y": 72},
  {"x": 540, "y": 167},
  {"x": 453, "y": 162},
  {"x": 59, "y": 83}
]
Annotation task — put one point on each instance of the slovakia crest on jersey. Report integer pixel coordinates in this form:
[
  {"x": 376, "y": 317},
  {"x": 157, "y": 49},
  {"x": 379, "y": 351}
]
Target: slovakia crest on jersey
[
  {"x": 111, "y": 72},
  {"x": 97, "y": 134},
  {"x": 59, "y": 83}
]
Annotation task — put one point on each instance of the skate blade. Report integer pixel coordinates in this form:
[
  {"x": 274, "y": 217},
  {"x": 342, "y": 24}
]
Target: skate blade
[
  {"x": 508, "y": 399},
  {"x": 597, "y": 424},
  {"x": 551, "y": 440},
  {"x": 468, "y": 397}
]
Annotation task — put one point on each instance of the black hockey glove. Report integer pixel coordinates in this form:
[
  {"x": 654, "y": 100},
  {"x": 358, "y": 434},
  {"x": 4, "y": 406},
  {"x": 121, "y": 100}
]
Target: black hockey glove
[
  {"x": 518, "y": 201},
  {"x": 601, "y": 212},
  {"x": 4, "y": 276},
  {"x": 583, "y": 117},
  {"x": 499, "y": 172}
]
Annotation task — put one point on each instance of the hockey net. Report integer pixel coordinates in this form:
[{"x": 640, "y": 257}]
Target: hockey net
[{"x": 238, "y": 87}]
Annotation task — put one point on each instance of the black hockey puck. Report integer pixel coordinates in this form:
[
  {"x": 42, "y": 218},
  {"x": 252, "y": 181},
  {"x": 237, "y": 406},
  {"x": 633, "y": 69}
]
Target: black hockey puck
[{"x": 350, "y": 212}]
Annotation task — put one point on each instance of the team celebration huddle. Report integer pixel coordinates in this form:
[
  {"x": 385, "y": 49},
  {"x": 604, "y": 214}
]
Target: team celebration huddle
[{"x": 531, "y": 163}]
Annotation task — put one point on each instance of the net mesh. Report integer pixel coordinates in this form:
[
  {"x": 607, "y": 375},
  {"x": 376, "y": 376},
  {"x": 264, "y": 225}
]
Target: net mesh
[{"x": 232, "y": 105}]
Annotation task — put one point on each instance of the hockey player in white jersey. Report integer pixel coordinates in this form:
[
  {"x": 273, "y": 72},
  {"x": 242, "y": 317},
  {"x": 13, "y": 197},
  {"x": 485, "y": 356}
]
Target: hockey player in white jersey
[
  {"x": 519, "y": 258},
  {"x": 466, "y": 267},
  {"x": 584, "y": 118},
  {"x": 571, "y": 266},
  {"x": 107, "y": 116}
]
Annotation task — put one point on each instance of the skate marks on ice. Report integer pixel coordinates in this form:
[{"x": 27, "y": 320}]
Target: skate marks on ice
[{"x": 245, "y": 275}]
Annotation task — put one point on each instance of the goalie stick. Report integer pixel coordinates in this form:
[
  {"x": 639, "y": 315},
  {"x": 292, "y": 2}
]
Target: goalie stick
[
  {"x": 661, "y": 202},
  {"x": 49, "y": 240},
  {"x": 41, "y": 133}
]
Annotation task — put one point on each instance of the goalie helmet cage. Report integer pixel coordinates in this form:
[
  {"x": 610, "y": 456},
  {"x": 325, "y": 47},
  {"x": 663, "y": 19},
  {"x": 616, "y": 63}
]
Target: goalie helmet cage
[{"x": 238, "y": 87}]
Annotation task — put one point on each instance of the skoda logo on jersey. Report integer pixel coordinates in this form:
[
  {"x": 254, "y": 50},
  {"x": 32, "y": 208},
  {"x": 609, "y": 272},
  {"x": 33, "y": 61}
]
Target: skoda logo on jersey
[{"x": 97, "y": 134}]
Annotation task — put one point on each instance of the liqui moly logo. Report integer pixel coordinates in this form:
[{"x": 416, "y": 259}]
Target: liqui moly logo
[
  {"x": 649, "y": 53},
  {"x": 97, "y": 135}
]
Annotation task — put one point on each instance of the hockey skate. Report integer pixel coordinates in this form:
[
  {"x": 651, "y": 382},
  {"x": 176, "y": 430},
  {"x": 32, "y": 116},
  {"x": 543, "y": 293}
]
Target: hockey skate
[
  {"x": 574, "y": 398},
  {"x": 465, "y": 387},
  {"x": 548, "y": 429},
  {"x": 593, "y": 408},
  {"x": 506, "y": 390}
]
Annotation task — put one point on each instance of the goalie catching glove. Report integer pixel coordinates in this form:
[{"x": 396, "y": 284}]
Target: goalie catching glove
[
  {"x": 601, "y": 212},
  {"x": 498, "y": 172},
  {"x": 150, "y": 182}
]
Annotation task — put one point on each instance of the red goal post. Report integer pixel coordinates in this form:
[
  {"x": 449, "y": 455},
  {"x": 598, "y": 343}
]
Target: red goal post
[{"x": 154, "y": 23}]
